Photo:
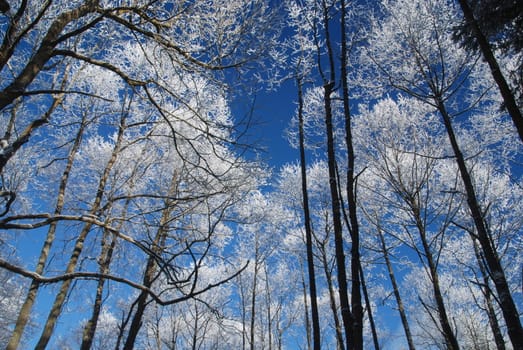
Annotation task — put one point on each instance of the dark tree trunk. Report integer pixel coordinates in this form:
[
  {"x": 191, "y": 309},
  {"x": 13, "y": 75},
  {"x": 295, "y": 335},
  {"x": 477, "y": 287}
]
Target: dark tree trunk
[
  {"x": 493, "y": 320},
  {"x": 497, "y": 274},
  {"x": 150, "y": 273},
  {"x": 306, "y": 307},
  {"x": 488, "y": 55},
  {"x": 369, "y": 311},
  {"x": 308, "y": 228},
  {"x": 356, "y": 341},
  {"x": 332, "y": 296},
  {"x": 446, "y": 329},
  {"x": 346, "y": 315},
  {"x": 395, "y": 289}
]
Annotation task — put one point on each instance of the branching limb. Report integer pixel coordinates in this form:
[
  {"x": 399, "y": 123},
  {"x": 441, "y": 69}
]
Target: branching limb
[{"x": 93, "y": 275}]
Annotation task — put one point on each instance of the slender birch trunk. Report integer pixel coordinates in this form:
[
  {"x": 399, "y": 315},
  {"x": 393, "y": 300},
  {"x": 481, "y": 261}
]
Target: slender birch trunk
[
  {"x": 59, "y": 301},
  {"x": 25, "y": 311}
]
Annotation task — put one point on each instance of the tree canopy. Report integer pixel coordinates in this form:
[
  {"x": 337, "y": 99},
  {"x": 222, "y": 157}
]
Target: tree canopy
[{"x": 138, "y": 210}]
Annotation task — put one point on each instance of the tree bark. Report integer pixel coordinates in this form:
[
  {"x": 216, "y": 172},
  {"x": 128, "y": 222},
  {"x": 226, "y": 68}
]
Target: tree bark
[
  {"x": 79, "y": 244},
  {"x": 496, "y": 272},
  {"x": 395, "y": 290},
  {"x": 306, "y": 307},
  {"x": 25, "y": 311},
  {"x": 369, "y": 311},
  {"x": 308, "y": 228},
  {"x": 105, "y": 261},
  {"x": 150, "y": 276},
  {"x": 332, "y": 294},
  {"x": 493, "y": 320},
  {"x": 346, "y": 315},
  {"x": 488, "y": 55},
  {"x": 446, "y": 329},
  {"x": 356, "y": 341},
  {"x": 44, "y": 53}
]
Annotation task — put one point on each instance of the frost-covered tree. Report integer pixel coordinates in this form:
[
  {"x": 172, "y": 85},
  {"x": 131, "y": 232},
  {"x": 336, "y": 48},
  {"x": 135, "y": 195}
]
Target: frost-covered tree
[
  {"x": 402, "y": 158},
  {"x": 11, "y": 295},
  {"x": 495, "y": 27},
  {"x": 119, "y": 113},
  {"x": 413, "y": 51},
  {"x": 134, "y": 43},
  {"x": 327, "y": 29}
]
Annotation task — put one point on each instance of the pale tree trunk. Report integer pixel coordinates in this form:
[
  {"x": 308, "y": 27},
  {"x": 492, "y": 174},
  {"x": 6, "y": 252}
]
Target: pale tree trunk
[
  {"x": 253, "y": 294},
  {"x": 496, "y": 271},
  {"x": 308, "y": 228},
  {"x": 488, "y": 55},
  {"x": 268, "y": 302},
  {"x": 25, "y": 311},
  {"x": 104, "y": 261},
  {"x": 79, "y": 244}
]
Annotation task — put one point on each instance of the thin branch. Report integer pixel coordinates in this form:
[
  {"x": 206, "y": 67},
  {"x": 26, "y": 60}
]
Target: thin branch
[{"x": 95, "y": 276}]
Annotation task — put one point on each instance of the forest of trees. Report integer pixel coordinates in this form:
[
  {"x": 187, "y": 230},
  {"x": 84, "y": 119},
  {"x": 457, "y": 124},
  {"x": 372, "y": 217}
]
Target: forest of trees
[{"x": 138, "y": 209}]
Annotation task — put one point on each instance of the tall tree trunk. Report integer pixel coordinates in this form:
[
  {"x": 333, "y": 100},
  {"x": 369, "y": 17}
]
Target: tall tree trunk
[
  {"x": 341, "y": 269},
  {"x": 195, "y": 327},
  {"x": 105, "y": 260},
  {"x": 488, "y": 55},
  {"x": 346, "y": 315},
  {"x": 306, "y": 307},
  {"x": 451, "y": 341},
  {"x": 369, "y": 311},
  {"x": 496, "y": 272},
  {"x": 308, "y": 227},
  {"x": 268, "y": 302},
  {"x": 253, "y": 295},
  {"x": 59, "y": 301},
  {"x": 395, "y": 289},
  {"x": 150, "y": 273},
  {"x": 243, "y": 298},
  {"x": 25, "y": 311},
  {"x": 493, "y": 320},
  {"x": 332, "y": 297},
  {"x": 356, "y": 341},
  {"x": 142, "y": 302}
]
